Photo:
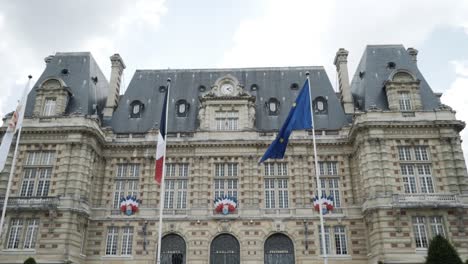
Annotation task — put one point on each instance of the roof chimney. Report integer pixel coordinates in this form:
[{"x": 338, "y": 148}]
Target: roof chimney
[
  {"x": 413, "y": 53},
  {"x": 114, "y": 85},
  {"x": 341, "y": 63}
]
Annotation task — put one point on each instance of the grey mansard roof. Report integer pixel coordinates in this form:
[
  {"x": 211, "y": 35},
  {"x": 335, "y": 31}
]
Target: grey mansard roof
[
  {"x": 368, "y": 90},
  {"x": 271, "y": 82},
  {"x": 81, "y": 68}
]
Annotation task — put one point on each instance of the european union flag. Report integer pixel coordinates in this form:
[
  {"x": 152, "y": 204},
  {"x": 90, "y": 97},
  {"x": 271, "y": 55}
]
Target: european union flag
[{"x": 299, "y": 118}]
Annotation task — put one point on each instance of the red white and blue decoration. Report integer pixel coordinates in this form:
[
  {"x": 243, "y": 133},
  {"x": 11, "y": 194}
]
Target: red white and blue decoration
[
  {"x": 225, "y": 204},
  {"x": 129, "y": 205},
  {"x": 326, "y": 201}
]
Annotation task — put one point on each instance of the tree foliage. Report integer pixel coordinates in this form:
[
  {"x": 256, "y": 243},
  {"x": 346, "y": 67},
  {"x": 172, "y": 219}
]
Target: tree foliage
[
  {"x": 442, "y": 252},
  {"x": 30, "y": 261}
]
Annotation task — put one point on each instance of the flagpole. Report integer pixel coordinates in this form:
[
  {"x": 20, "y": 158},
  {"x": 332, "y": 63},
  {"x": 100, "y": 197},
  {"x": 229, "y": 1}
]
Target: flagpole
[
  {"x": 161, "y": 195},
  {"x": 13, "y": 165},
  {"x": 319, "y": 186}
]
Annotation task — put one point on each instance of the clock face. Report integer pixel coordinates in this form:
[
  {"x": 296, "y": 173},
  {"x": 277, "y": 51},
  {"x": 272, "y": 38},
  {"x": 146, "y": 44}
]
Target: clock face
[{"x": 227, "y": 88}]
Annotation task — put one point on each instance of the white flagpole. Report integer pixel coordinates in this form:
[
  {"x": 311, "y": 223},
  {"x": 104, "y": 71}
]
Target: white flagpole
[
  {"x": 319, "y": 186},
  {"x": 13, "y": 165},
  {"x": 161, "y": 195}
]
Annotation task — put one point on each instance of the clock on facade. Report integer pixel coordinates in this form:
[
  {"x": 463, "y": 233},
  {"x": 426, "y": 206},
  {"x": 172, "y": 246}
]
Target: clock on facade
[{"x": 227, "y": 89}]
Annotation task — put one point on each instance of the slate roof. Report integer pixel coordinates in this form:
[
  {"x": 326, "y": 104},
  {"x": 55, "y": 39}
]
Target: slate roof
[
  {"x": 368, "y": 90},
  {"x": 271, "y": 82},
  {"x": 81, "y": 68}
]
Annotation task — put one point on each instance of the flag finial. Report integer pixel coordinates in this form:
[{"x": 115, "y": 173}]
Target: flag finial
[
  {"x": 307, "y": 73},
  {"x": 168, "y": 80}
]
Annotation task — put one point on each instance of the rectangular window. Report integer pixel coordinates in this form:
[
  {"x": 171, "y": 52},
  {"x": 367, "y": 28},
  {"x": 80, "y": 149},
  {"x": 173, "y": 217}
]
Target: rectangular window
[
  {"x": 417, "y": 176},
  {"x": 126, "y": 181},
  {"x": 404, "y": 153},
  {"x": 283, "y": 197},
  {"x": 405, "y": 101},
  {"x": 270, "y": 193},
  {"x": 339, "y": 244},
  {"x": 276, "y": 186},
  {"x": 328, "y": 168},
  {"x": 340, "y": 241},
  {"x": 19, "y": 238},
  {"x": 226, "y": 185},
  {"x": 327, "y": 239},
  {"x": 176, "y": 183},
  {"x": 37, "y": 173},
  {"x": 49, "y": 107},
  {"x": 421, "y": 153},
  {"x": 227, "y": 120},
  {"x": 31, "y": 233},
  {"x": 331, "y": 187},
  {"x": 127, "y": 241},
  {"x": 437, "y": 226},
  {"x": 14, "y": 236},
  {"x": 420, "y": 234},
  {"x": 112, "y": 238}
]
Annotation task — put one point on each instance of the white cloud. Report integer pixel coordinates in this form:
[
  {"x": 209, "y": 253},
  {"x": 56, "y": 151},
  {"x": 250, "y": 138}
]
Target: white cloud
[
  {"x": 83, "y": 25},
  {"x": 302, "y": 32},
  {"x": 141, "y": 13},
  {"x": 457, "y": 98}
]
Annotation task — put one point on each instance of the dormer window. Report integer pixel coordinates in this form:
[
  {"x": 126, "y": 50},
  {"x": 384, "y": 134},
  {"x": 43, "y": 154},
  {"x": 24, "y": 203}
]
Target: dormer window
[
  {"x": 320, "y": 106},
  {"x": 52, "y": 98},
  {"x": 402, "y": 90},
  {"x": 182, "y": 108},
  {"x": 136, "y": 108},
  {"x": 273, "y": 106},
  {"x": 49, "y": 107}
]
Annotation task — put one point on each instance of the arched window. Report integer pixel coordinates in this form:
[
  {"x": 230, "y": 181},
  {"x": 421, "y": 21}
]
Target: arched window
[
  {"x": 182, "y": 108},
  {"x": 279, "y": 249},
  {"x": 136, "y": 109},
  {"x": 225, "y": 249},
  {"x": 320, "y": 106},
  {"x": 173, "y": 249}
]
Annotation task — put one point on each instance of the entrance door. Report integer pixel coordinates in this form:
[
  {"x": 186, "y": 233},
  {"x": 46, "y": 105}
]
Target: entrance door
[
  {"x": 225, "y": 249},
  {"x": 173, "y": 250},
  {"x": 279, "y": 249}
]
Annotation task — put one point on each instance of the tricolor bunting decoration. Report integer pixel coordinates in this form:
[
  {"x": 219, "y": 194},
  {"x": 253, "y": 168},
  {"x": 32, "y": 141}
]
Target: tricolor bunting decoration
[
  {"x": 326, "y": 201},
  {"x": 129, "y": 205},
  {"x": 225, "y": 204}
]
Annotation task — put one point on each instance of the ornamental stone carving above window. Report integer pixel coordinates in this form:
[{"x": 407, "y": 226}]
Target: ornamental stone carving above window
[{"x": 227, "y": 106}]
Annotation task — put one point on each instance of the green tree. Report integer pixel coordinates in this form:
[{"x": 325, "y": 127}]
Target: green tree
[
  {"x": 442, "y": 252},
  {"x": 30, "y": 261}
]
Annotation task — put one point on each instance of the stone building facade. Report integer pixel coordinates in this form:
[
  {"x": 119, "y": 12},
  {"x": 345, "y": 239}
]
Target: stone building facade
[{"x": 388, "y": 152}]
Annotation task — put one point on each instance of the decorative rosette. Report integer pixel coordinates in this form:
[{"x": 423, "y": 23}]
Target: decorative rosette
[
  {"x": 225, "y": 204},
  {"x": 326, "y": 201},
  {"x": 129, "y": 205}
]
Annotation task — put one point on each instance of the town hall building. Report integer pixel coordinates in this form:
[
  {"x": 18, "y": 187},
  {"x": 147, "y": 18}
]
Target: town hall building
[{"x": 83, "y": 190}]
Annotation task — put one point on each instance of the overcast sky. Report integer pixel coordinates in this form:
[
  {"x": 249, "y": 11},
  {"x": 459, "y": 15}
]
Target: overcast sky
[{"x": 155, "y": 34}]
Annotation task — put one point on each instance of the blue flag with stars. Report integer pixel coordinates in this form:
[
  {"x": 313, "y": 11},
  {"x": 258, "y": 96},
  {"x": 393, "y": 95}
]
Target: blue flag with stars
[{"x": 299, "y": 117}]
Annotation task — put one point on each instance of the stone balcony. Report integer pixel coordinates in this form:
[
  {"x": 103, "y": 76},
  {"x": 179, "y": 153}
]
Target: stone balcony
[
  {"x": 433, "y": 200},
  {"x": 31, "y": 202}
]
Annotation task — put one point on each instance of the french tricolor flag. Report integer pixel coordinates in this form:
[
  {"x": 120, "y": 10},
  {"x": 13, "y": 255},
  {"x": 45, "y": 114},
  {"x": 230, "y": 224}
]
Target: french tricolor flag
[{"x": 161, "y": 148}]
